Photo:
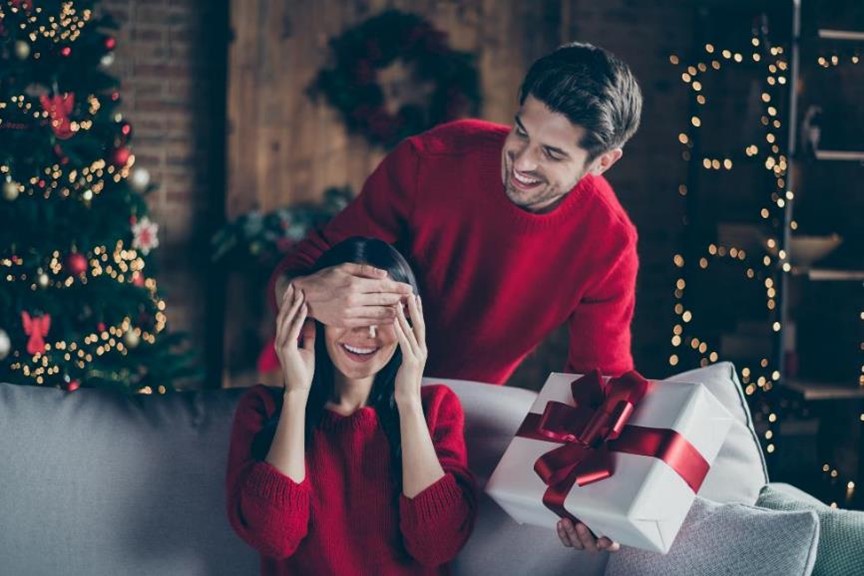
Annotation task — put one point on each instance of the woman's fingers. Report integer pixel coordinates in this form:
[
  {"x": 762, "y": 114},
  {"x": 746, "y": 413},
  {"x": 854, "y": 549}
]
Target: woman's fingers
[
  {"x": 290, "y": 316},
  {"x": 298, "y": 319},
  {"x": 404, "y": 344},
  {"x": 287, "y": 298},
  {"x": 308, "y": 333},
  {"x": 417, "y": 321},
  {"x": 405, "y": 327}
]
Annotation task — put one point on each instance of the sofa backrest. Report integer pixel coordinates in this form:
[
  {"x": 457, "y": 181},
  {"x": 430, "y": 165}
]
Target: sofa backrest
[{"x": 94, "y": 483}]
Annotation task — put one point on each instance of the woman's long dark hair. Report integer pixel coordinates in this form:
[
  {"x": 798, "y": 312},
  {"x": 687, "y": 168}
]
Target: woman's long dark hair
[{"x": 379, "y": 254}]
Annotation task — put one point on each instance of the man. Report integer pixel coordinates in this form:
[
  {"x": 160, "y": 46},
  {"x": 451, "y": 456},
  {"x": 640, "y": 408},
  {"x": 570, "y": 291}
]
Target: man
[{"x": 511, "y": 232}]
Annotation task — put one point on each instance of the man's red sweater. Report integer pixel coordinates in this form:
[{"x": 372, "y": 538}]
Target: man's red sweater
[
  {"x": 495, "y": 279},
  {"x": 346, "y": 516}
]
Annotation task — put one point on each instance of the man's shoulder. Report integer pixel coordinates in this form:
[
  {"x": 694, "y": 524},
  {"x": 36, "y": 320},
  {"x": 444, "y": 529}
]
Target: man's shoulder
[
  {"x": 607, "y": 203},
  {"x": 460, "y": 137}
]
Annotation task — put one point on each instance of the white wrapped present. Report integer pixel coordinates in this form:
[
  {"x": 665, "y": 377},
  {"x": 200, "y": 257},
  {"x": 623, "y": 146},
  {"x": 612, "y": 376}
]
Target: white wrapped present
[{"x": 636, "y": 488}]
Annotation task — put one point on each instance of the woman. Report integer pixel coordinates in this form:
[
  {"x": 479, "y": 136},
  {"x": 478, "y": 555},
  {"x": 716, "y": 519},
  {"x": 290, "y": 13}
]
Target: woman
[{"x": 352, "y": 467}]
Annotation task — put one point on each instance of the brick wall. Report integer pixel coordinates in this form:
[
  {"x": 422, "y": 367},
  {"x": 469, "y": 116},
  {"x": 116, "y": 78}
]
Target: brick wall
[{"x": 169, "y": 61}]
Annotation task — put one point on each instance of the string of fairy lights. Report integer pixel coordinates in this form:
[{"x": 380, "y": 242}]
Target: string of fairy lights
[
  {"x": 85, "y": 184},
  {"x": 64, "y": 27},
  {"x": 776, "y": 67},
  {"x": 762, "y": 377},
  {"x": 67, "y": 359}
]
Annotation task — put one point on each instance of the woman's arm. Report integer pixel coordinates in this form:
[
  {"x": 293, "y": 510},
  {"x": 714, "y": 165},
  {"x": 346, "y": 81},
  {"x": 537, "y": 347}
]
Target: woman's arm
[
  {"x": 268, "y": 501},
  {"x": 437, "y": 506},
  {"x": 288, "y": 452},
  {"x": 437, "y": 521},
  {"x": 266, "y": 508},
  {"x": 420, "y": 465}
]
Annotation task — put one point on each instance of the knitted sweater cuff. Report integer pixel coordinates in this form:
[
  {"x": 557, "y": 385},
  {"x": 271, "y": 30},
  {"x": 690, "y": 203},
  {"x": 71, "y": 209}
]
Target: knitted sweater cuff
[
  {"x": 268, "y": 483},
  {"x": 434, "y": 503}
]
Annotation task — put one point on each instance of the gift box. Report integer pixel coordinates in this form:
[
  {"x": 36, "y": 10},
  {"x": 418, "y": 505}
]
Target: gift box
[{"x": 625, "y": 456}]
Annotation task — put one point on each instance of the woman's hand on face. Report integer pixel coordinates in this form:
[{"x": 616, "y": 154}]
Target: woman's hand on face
[
  {"x": 298, "y": 363},
  {"x": 412, "y": 342}
]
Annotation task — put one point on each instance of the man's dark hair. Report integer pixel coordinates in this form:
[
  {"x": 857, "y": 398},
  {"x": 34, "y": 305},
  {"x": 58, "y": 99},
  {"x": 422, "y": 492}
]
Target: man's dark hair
[{"x": 593, "y": 89}]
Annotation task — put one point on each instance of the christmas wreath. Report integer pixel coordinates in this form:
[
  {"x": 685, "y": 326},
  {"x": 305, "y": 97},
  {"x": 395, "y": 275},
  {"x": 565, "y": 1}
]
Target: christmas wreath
[{"x": 351, "y": 85}]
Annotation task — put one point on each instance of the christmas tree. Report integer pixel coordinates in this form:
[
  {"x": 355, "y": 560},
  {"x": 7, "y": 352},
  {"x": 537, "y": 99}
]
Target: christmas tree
[{"x": 78, "y": 303}]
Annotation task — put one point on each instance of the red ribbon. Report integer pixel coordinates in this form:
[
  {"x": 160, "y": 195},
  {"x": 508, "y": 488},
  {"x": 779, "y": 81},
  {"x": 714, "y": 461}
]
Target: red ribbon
[{"x": 594, "y": 428}]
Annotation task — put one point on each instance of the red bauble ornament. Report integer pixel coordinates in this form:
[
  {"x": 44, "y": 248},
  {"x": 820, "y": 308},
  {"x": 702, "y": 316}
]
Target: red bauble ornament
[
  {"x": 76, "y": 263},
  {"x": 120, "y": 156},
  {"x": 66, "y": 51},
  {"x": 73, "y": 385},
  {"x": 126, "y": 129},
  {"x": 115, "y": 96},
  {"x": 110, "y": 43},
  {"x": 100, "y": 326},
  {"x": 138, "y": 279}
]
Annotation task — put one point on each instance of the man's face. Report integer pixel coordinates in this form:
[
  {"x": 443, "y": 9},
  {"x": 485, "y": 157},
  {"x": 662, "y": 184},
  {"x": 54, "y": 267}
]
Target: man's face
[{"x": 541, "y": 160}]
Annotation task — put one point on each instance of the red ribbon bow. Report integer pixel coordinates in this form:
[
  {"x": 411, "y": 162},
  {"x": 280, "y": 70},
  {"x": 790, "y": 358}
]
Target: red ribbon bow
[
  {"x": 36, "y": 328},
  {"x": 594, "y": 428}
]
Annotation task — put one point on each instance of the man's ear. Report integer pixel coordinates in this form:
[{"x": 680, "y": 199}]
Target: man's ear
[{"x": 605, "y": 161}]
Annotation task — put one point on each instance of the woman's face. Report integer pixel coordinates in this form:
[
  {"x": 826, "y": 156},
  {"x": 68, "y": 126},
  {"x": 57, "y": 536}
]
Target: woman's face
[{"x": 357, "y": 353}]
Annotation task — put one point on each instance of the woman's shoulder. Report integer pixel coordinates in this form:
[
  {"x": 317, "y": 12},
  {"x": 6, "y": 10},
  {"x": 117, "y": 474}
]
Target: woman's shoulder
[
  {"x": 261, "y": 399},
  {"x": 440, "y": 401}
]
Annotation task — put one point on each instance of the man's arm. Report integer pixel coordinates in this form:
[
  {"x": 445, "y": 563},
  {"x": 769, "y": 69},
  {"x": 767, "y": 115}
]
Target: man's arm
[
  {"x": 381, "y": 210},
  {"x": 600, "y": 323}
]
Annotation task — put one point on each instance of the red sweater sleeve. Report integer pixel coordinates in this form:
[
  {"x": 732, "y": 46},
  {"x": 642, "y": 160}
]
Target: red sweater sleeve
[
  {"x": 600, "y": 323},
  {"x": 381, "y": 210},
  {"x": 437, "y": 522},
  {"x": 268, "y": 510}
]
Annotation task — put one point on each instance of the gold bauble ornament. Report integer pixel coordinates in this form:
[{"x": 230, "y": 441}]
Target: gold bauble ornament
[
  {"x": 10, "y": 190},
  {"x": 22, "y": 50},
  {"x": 132, "y": 339}
]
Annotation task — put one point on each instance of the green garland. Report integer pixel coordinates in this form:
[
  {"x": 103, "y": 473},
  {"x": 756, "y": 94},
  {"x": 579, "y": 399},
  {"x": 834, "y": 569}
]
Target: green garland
[
  {"x": 255, "y": 242},
  {"x": 351, "y": 86}
]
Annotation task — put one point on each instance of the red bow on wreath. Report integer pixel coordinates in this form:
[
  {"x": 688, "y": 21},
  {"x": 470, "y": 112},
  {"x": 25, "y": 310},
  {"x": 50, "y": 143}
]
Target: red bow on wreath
[
  {"x": 36, "y": 328},
  {"x": 59, "y": 107}
]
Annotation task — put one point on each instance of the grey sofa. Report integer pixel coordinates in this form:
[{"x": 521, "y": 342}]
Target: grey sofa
[{"x": 98, "y": 484}]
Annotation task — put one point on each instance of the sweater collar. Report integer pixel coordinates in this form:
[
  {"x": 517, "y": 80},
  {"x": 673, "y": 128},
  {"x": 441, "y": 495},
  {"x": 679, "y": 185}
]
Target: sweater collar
[
  {"x": 525, "y": 221},
  {"x": 362, "y": 418}
]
